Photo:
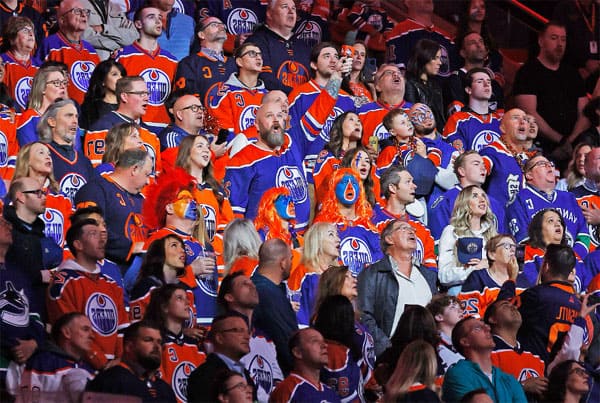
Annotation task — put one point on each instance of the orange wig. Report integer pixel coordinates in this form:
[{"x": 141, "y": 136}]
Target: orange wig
[{"x": 268, "y": 220}]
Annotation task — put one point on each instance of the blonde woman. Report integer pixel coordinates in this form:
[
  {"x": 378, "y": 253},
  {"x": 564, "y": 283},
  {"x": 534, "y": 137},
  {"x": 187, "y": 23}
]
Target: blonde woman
[
  {"x": 321, "y": 250},
  {"x": 462, "y": 243},
  {"x": 119, "y": 138},
  {"x": 414, "y": 376}
]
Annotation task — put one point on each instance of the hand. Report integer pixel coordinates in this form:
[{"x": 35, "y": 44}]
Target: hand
[
  {"x": 345, "y": 66},
  {"x": 420, "y": 148},
  {"x": 513, "y": 268},
  {"x": 477, "y": 264},
  {"x": 591, "y": 214},
  {"x": 138, "y": 247},
  {"x": 295, "y": 306},
  {"x": 203, "y": 265},
  {"x": 23, "y": 350},
  {"x": 218, "y": 149},
  {"x": 585, "y": 309},
  {"x": 535, "y": 386}
]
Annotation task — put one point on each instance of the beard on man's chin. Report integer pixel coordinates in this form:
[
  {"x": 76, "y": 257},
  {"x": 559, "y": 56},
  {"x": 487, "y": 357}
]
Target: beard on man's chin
[
  {"x": 424, "y": 131},
  {"x": 272, "y": 138},
  {"x": 149, "y": 362}
]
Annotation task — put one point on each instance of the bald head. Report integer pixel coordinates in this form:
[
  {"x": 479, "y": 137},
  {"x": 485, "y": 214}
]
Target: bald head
[{"x": 275, "y": 260}]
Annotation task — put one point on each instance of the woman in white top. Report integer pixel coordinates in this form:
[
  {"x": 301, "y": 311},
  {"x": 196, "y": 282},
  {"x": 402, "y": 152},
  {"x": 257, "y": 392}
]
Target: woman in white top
[{"x": 471, "y": 217}]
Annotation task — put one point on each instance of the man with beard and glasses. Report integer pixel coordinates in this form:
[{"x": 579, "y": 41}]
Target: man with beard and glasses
[
  {"x": 136, "y": 374},
  {"x": 274, "y": 160}
]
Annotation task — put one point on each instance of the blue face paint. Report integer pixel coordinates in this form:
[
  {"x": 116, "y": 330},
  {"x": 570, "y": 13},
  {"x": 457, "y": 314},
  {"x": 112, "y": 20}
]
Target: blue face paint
[
  {"x": 185, "y": 206},
  {"x": 284, "y": 205},
  {"x": 347, "y": 190}
]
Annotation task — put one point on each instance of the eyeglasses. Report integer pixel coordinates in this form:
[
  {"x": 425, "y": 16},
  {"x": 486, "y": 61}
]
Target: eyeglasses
[
  {"x": 58, "y": 83},
  {"x": 251, "y": 53},
  {"x": 38, "y": 192},
  {"x": 478, "y": 328},
  {"x": 579, "y": 371},
  {"x": 507, "y": 246},
  {"x": 214, "y": 24},
  {"x": 143, "y": 94},
  {"x": 241, "y": 385},
  {"x": 239, "y": 330},
  {"x": 405, "y": 228},
  {"x": 27, "y": 30},
  {"x": 545, "y": 164},
  {"x": 194, "y": 108},
  {"x": 78, "y": 11}
]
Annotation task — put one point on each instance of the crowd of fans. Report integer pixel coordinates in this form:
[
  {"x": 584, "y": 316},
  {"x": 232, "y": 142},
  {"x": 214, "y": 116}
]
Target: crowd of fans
[{"x": 304, "y": 200}]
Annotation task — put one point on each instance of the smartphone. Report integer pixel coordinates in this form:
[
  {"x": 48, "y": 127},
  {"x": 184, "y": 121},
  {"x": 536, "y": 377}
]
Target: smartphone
[
  {"x": 594, "y": 298},
  {"x": 222, "y": 136}
]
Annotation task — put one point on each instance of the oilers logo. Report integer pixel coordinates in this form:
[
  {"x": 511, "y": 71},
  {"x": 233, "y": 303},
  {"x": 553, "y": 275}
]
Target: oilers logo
[
  {"x": 329, "y": 122},
  {"x": 14, "y": 306},
  {"x": 369, "y": 350},
  {"x": 159, "y": 86},
  {"x": 208, "y": 284},
  {"x": 261, "y": 373},
  {"x": 445, "y": 59},
  {"x": 134, "y": 229},
  {"x": 81, "y": 72},
  {"x": 292, "y": 73},
  {"x": 354, "y": 250},
  {"x": 179, "y": 379},
  {"x": 483, "y": 138},
  {"x": 178, "y": 5},
  {"x": 248, "y": 116},
  {"x": 22, "y": 90},
  {"x": 214, "y": 95},
  {"x": 54, "y": 225},
  {"x": 152, "y": 153},
  {"x": 309, "y": 31},
  {"x": 210, "y": 220},
  {"x": 102, "y": 312},
  {"x": 527, "y": 373},
  {"x": 70, "y": 184},
  {"x": 3, "y": 149},
  {"x": 291, "y": 178},
  {"x": 381, "y": 132},
  {"x": 241, "y": 21}
]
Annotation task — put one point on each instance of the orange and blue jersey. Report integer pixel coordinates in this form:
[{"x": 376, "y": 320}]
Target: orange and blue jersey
[
  {"x": 371, "y": 115},
  {"x": 359, "y": 246},
  {"x": 59, "y": 209},
  {"x": 180, "y": 356},
  {"x": 312, "y": 27},
  {"x": 80, "y": 58},
  {"x": 27, "y": 126},
  {"x": 325, "y": 165},
  {"x": 425, "y": 252},
  {"x": 480, "y": 290},
  {"x": 157, "y": 68},
  {"x": 296, "y": 389},
  {"x": 591, "y": 201},
  {"x": 342, "y": 373},
  {"x": 364, "y": 340},
  {"x": 505, "y": 176},
  {"x": 402, "y": 155},
  {"x": 373, "y": 24},
  {"x": 72, "y": 170},
  {"x": 9, "y": 147},
  {"x": 467, "y": 130},
  {"x": 517, "y": 362},
  {"x": 18, "y": 77}
]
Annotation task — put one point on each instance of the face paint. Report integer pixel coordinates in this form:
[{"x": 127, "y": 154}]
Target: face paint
[
  {"x": 421, "y": 114},
  {"x": 185, "y": 206},
  {"x": 347, "y": 190},
  {"x": 284, "y": 205}
]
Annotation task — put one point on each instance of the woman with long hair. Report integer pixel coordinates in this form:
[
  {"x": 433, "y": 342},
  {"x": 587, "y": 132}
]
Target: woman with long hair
[
  {"x": 120, "y": 137},
  {"x": 49, "y": 84},
  {"x": 195, "y": 158},
  {"x": 360, "y": 161},
  {"x": 413, "y": 379},
  {"x": 164, "y": 263},
  {"x": 575, "y": 175},
  {"x": 321, "y": 250},
  {"x": 345, "y": 134},
  {"x": 471, "y": 218},
  {"x": 421, "y": 81},
  {"x": 567, "y": 383},
  {"x": 241, "y": 243},
  {"x": 101, "y": 97},
  {"x": 360, "y": 80},
  {"x": 170, "y": 309},
  {"x": 335, "y": 321}
]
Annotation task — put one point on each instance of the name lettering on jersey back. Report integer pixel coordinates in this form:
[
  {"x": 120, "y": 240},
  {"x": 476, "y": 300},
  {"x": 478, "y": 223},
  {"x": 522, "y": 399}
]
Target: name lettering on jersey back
[{"x": 567, "y": 314}]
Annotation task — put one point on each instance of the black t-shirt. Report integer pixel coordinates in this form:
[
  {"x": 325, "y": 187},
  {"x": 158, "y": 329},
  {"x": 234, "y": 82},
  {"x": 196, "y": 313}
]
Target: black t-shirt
[{"x": 557, "y": 93}]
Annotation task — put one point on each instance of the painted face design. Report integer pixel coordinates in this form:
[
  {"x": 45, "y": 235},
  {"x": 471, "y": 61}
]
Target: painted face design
[
  {"x": 421, "y": 114},
  {"x": 284, "y": 205},
  {"x": 185, "y": 206},
  {"x": 347, "y": 190}
]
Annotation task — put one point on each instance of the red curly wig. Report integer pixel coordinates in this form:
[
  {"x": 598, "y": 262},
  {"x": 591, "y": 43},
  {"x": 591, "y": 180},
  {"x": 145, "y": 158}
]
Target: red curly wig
[
  {"x": 329, "y": 208},
  {"x": 164, "y": 192},
  {"x": 267, "y": 218}
]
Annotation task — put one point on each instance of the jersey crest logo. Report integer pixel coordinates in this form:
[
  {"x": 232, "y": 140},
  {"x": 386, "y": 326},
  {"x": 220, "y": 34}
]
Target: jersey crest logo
[
  {"x": 248, "y": 116},
  {"x": 292, "y": 73},
  {"x": 241, "y": 21},
  {"x": 81, "y": 72},
  {"x": 329, "y": 122},
  {"x": 22, "y": 90},
  {"x": 210, "y": 218},
  {"x": 159, "y": 86},
  {"x": 54, "y": 225},
  {"x": 178, "y": 5},
  {"x": 3, "y": 149},
  {"x": 179, "y": 379},
  {"x": 291, "y": 178},
  {"x": 355, "y": 251},
  {"x": 261, "y": 372},
  {"x": 214, "y": 94},
  {"x": 102, "y": 312},
  {"x": 483, "y": 138},
  {"x": 70, "y": 184},
  {"x": 14, "y": 306},
  {"x": 527, "y": 373},
  {"x": 309, "y": 31},
  {"x": 381, "y": 132},
  {"x": 208, "y": 285}
]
